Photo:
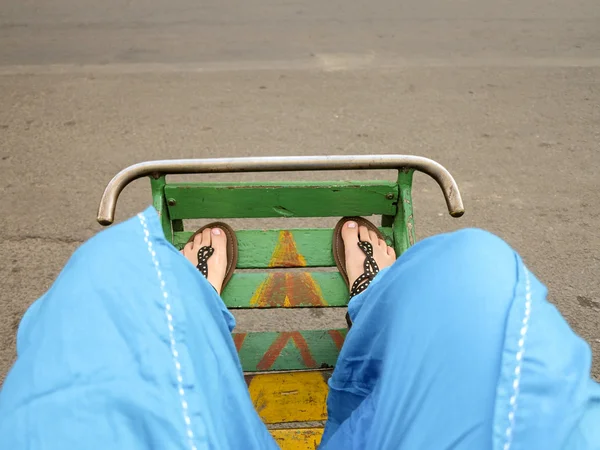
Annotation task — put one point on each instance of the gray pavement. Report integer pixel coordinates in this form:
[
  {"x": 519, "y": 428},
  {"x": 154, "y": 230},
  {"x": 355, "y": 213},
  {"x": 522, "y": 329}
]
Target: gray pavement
[{"x": 505, "y": 94}]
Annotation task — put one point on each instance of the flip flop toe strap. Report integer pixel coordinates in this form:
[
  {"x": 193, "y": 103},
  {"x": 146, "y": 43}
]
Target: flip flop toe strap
[
  {"x": 203, "y": 254},
  {"x": 370, "y": 270}
]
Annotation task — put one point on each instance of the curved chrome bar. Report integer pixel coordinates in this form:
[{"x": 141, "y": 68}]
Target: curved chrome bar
[{"x": 108, "y": 203}]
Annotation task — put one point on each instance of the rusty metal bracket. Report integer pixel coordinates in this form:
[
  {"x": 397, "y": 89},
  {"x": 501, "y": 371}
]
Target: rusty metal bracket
[{"x": 108, "y": 203}]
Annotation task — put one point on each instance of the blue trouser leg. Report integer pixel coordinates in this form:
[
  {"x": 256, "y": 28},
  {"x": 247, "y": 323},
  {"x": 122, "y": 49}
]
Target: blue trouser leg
[
  {"x": 130, "y": 349},
  {"x": 455, "y": 347}
]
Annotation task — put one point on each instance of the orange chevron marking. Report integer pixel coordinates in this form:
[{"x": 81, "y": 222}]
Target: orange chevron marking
[
  {"x": 286, "y": 253},
  {"x": 276, "y": 347},
  {"x": 288, "y": 290}
]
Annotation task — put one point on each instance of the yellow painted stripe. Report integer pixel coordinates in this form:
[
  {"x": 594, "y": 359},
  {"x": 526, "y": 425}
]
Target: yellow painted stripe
[
  {"x": 289, "y": 397},
  {"x": 298, "y": 438}
]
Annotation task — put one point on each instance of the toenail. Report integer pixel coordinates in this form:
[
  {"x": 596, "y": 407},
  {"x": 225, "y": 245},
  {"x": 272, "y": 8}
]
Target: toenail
[
  {"x": 351, "y": 224},
  {"x": 216, "y": 231}
]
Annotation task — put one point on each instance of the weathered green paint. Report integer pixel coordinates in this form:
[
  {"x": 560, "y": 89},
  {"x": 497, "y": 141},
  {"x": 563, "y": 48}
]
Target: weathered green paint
[
  {"x": 159, "y": 201},
  {"x": 265, "y": 351},
  {"x": 254, "y": 200},
  {"x": 240, "y": 292},
  {"x": 407, "y": 206},
  {"x": 256, "y": 247},
  {"x": 404, "y": 225}
]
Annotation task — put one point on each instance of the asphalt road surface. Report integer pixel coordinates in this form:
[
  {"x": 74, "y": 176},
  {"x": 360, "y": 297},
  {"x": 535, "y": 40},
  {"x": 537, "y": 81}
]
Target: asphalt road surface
[{"x": 505, "y": 94}]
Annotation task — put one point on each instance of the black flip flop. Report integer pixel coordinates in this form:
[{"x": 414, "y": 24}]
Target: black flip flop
[
  {"x": 204, "y": 253},
  {"x": 339, "y": 255}
]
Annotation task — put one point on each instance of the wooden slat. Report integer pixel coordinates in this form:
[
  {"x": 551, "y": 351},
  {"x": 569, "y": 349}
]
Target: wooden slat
[
  {"x": 289, "y": 350},
  {"x": 303, "y": 247},
  {"x": 252, "y": 200},
  {"x": 285, "y": 289},
  {"x": 290, "y": 397},
  {"x": 298, "y": 438}
]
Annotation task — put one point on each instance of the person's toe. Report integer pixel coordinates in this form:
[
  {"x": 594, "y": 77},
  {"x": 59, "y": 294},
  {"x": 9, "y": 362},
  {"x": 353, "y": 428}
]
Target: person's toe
[
  {"x": 374, "y": 237},
  {"x": 203, "y": 239},
  {"x": 217, "y": 263},
  {"x": 350, "y": 234},
  {"x": 363, "y": 234},
  {"x": 190, "y": 250},
  {"x": 218, "y": 240}
]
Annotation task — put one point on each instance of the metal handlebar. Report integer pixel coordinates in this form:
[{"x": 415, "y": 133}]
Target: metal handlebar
[{"x": 108, "y": 203}]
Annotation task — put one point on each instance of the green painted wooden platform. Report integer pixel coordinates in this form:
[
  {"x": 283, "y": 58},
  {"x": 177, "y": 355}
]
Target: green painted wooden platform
[{"x": 288, "y": 273}]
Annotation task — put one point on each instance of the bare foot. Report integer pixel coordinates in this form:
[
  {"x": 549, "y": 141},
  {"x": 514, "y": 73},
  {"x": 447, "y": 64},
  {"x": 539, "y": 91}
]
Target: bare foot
[
  {"x": 355, "y": 257},
  {"x": 217, "y": 263}
]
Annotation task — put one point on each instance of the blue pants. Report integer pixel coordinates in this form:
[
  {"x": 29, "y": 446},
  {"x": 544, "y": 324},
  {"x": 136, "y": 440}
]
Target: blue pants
[{"x": 453, "y": 347}]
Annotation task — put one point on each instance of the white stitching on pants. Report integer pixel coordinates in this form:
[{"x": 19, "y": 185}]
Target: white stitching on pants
[
  {"x": 174, "y": 352},
  {"x": 519, "y": 364}
]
